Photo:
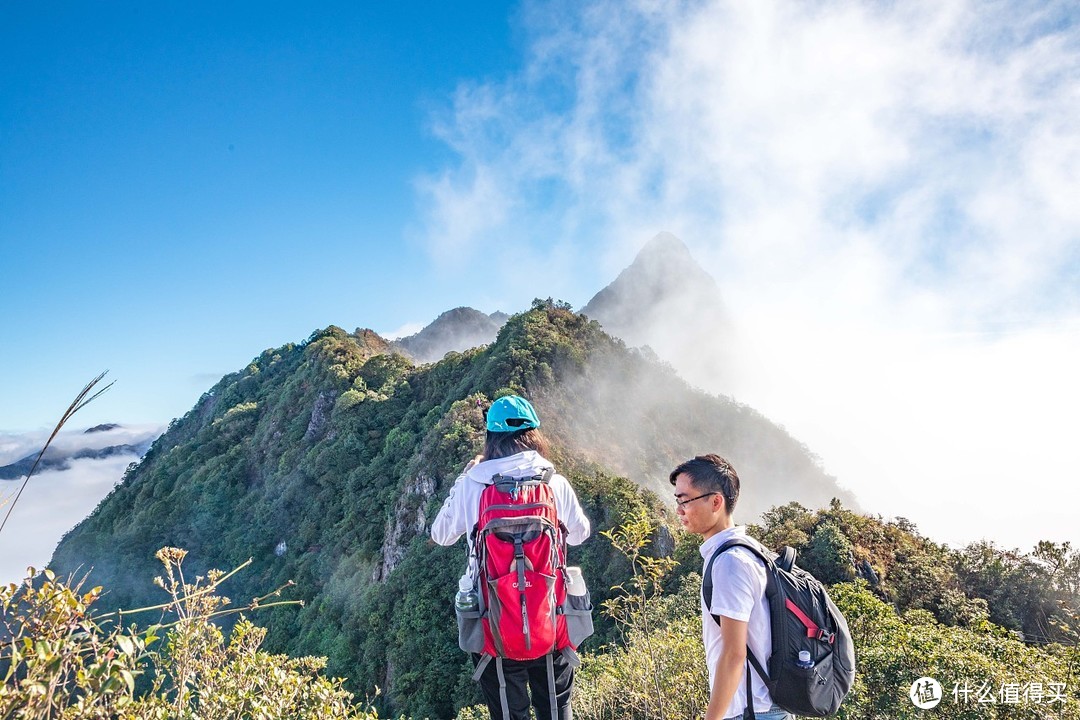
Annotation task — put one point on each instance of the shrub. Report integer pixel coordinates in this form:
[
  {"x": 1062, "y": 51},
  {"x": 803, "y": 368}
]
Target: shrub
[{"x": 59, "y": 660}]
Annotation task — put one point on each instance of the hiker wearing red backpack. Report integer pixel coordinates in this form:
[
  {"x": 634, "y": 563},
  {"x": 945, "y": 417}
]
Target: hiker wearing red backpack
[{"x": 531, "y": 611}]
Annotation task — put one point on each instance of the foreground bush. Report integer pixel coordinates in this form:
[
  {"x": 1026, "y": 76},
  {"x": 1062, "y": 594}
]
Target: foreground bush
[
  {"x": 985, "y": 672},
  {"x": 59, "y": 661},
  {"x": 622, "y": 683},
  {"x": 657, "y": 670}
]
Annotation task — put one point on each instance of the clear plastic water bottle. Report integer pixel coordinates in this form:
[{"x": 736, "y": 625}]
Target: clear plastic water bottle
[
  {"x": 804, "y": 660},
  {"x": 575, "y": 583},
  {"x": 465, "y": 600}
]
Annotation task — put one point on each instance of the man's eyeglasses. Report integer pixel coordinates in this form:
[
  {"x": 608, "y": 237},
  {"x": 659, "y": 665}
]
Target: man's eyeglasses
[{"x": 680, "y": 503}]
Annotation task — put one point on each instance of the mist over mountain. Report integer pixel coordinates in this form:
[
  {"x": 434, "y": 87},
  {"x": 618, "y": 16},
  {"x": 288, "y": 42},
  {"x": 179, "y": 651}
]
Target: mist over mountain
[
  {"x": 665, "y": 300},
  {"x": 106, "y": 441},
  {"x": 79, "y": 469},
  {"x": 55, "y": 459},
  {"x": 343, "y": 450},
  {"x": 639, "y": 419},
  {"x": 455, "y": 330}
]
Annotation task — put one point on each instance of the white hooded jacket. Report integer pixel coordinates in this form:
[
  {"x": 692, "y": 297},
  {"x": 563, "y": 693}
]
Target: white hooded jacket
[{"x": 461, "y": 509}]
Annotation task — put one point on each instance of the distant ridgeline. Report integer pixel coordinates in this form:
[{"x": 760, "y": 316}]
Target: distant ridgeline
[
  {"x": 458, "y": 329},
  {"x": 326, "y": 462}
]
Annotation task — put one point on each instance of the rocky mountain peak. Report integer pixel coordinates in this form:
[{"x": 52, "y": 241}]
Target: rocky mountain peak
[
  {"x": 104, "y": 427},
  {"x": 666, "y": 300},
  {"x": 664, "y": 247},
  {"x": 663, "y": 269}
]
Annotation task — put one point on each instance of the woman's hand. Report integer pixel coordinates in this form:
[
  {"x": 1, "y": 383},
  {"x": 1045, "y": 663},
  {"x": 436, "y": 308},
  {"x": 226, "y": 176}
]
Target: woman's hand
[{"x": 475, "y": 461}]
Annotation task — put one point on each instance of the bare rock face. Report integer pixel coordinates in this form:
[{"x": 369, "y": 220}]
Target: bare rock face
[
  {"x": 666, "y": 301},
  {"x": 371, "y": 342},
  {"x": 408, "y": 521},
  {"x": 319, "y": 415}
]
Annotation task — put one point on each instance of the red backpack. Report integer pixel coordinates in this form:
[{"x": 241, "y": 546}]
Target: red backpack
[{"x": 520, "y": 547}]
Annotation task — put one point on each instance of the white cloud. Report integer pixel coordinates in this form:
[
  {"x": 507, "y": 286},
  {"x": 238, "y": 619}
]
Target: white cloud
[
  {"x": 409, "y": 328},
  {"x": 15, "y": 446},
  {"x": 782, "y": 130},
  {"x": 884, "y": 191},
  {"x": 52, "y": 503}
]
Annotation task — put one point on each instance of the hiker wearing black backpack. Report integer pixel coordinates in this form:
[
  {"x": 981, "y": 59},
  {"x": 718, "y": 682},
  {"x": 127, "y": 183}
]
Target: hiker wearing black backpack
[
  {"x": 521, "y": 611},
  {"x": 706, "y": 490},
  {"x": 775, "y": 643}
]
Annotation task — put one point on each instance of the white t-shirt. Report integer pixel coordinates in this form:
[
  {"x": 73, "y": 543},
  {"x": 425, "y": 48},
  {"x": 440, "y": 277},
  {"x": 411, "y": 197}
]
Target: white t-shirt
[{"x": 738, "y": 592}]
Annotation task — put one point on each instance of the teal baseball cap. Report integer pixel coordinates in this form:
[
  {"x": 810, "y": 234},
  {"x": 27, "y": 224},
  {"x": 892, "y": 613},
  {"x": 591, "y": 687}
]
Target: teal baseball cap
[{"x": 511, "y": 413}]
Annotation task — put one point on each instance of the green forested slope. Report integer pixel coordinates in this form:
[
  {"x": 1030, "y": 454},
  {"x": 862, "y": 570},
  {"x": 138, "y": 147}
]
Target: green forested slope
[{"x": 343, "y": 451}]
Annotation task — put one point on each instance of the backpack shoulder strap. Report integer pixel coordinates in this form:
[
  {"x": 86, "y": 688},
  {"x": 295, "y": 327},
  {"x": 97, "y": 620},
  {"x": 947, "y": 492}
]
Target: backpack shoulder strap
[
  {"x": 752, "y": 545},
  {"x": 786, "y": 559},
  {"x": 707, "y": 589}
]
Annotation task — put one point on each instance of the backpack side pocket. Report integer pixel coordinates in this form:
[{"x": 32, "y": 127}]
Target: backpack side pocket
[
  {"x": 470, "y": 631},
  {"x": 578, "y": 614}
]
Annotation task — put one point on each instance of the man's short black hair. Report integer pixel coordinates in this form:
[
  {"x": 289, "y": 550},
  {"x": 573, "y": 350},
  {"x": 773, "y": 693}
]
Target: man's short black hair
[{"x": 712, "y": 473}]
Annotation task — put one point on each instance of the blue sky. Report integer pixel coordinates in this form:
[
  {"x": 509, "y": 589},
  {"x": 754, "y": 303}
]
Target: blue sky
[
  {"x": 885, "y": 193},
  {"x": 182, "y": 186}
]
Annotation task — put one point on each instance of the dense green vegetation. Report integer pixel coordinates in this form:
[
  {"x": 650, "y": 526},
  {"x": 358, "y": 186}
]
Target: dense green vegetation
[
  {"x": 325, "y": 462},
  {"x": 1034, "y": 595},
  {"x": 909, "y": 624},
  {"x": 60, "y": 659}
]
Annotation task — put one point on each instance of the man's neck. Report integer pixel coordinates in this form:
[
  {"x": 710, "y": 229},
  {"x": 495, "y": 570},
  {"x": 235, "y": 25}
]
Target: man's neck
[{"x": 724, "y": 522}]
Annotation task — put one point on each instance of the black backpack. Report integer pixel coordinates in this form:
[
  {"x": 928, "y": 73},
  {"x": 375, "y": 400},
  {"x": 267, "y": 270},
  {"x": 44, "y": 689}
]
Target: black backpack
[{"x": 803, "y": 617}]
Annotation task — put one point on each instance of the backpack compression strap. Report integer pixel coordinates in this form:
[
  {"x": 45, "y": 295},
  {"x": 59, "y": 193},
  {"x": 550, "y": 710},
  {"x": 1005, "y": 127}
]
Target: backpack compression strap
[{"x": 508, "y": 483}]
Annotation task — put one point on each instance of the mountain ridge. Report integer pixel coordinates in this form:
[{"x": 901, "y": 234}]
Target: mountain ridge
[
  {"x": 96, "y": 443},
  {"x": 664, "y": 300},
  {"x": 342, "y": 449},
  {"x": 56, "y": 460}
]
